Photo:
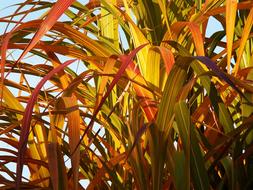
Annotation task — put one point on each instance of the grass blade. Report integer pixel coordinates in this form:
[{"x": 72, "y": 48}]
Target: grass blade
[
  {"x": 245, "y": 35},
  {"x": 25, "y": 128},
  {"x": 191, "y": 147},
  {"x": 58, "y": 9},
  {"x": 231, "y": 8}
]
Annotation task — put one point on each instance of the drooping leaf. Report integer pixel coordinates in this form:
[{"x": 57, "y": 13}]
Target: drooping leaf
[
  {"x": 210, "y": 64},
  {"x": 25, "y": 128},
  {"x": 52, "y": 17}
]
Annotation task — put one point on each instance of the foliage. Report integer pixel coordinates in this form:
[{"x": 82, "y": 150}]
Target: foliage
[{"x": 127, "y": 94}]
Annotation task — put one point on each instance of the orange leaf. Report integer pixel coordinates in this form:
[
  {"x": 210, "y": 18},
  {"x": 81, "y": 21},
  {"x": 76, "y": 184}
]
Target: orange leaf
[
  {"x": 168, "y": 58},
  {"x": 231, "y": 8},
  {"x": 74, "y": 135},
  {"x": 101, "y": 172},
  {"x": 52, "y": 164},
  {"x": 104, "y": 79},
  {"x": 220, "y": 10},
  {"x": 54, "y": 14},
  {"x": 245, "y": 35},
  {"x": 195, "y": 32}
]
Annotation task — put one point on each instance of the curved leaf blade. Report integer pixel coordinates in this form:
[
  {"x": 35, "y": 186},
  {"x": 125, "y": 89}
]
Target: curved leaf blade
[{"x": 27, "y": 121}]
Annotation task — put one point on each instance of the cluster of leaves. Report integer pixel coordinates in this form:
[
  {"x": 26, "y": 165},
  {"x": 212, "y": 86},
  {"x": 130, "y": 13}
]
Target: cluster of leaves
[{"x": 127, "y": 94}]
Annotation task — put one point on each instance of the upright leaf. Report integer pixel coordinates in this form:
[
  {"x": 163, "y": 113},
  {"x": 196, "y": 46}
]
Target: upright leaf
[
  {"x": 245, "y": 35},
  {"x": 231, "y": 8},
  {"x": 191, "y": 147}
]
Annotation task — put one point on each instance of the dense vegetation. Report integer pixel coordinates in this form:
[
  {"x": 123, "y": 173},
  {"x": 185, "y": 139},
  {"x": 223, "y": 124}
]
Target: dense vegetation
[{"x": 127, "y": 94}]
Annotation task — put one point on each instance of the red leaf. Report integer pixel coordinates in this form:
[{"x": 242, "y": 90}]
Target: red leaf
[{"x": 25, "y": 128}]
